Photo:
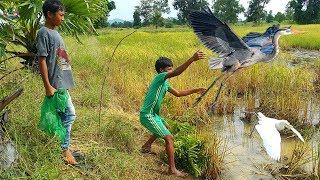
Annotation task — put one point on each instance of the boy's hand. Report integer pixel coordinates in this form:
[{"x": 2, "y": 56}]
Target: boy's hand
[
  {"x": 198, "y": 55},
  {"x": 201, "y": 90},
  {"x": 50, "y": 91}
]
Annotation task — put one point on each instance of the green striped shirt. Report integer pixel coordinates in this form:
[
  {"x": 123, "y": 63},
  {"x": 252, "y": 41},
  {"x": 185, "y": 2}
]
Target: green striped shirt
[{"x": 157, "y": 90}]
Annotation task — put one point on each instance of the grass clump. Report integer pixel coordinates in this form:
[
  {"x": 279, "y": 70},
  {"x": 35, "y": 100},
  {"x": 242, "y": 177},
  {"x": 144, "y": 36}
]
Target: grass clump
[
  {"x": 113, "y": 164},
  {"x": 190, "y": 153},
  {"x": 193, "y": 152},
  {"x": 119, "y": 134},
  {"x": 294, "y": 167}
]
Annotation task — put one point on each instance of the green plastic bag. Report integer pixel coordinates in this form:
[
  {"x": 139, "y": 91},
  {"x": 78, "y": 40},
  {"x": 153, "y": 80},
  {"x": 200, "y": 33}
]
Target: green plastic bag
[{"x": 50, "y": 121}]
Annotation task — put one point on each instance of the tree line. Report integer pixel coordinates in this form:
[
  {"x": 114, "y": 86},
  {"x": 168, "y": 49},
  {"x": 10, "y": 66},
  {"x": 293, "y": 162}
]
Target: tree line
[
  {"x": 83, "y": 16},
  {"x": 150, "y": 12}
]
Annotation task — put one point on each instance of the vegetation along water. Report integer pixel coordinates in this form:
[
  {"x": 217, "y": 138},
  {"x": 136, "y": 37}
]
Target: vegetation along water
[{"x": 286, "y": 88}]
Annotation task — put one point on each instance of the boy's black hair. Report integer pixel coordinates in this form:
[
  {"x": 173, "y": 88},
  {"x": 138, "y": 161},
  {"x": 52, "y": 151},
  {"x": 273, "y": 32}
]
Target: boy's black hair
[
  {"x": 52, "y": 6},
  {"x": 162, "y": 63}
]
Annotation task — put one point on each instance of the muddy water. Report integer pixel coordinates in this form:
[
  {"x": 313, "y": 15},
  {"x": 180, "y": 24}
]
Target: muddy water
[
  {"x": 246, "y": 155},
  {"x": 305, "y": 54}
]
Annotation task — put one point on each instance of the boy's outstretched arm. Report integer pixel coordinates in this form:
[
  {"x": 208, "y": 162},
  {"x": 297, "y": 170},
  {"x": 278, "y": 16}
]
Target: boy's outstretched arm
[
  {"x": 181, "y": 93},
  {"x": 44, "y": 74},
  {"x": 196, "y": 56}
]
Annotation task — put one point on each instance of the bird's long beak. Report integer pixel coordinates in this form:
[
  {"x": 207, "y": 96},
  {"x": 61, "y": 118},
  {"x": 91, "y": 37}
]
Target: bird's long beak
[{"x": 297, "y": 32}]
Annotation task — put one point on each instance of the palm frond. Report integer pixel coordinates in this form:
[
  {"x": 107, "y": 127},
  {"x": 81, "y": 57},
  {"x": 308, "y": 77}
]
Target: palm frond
[
  {"x": 2, "y": 50},
  {"x": 79, "y": 15},
  {"x": 22, "y": 31}
]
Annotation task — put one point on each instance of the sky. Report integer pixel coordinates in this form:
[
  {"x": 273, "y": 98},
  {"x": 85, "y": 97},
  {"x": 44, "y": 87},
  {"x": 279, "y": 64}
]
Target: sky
[{"x": 125, "y": 8}]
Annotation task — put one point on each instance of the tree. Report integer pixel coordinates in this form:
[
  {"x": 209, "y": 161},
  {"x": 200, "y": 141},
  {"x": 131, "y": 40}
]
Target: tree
[
  {"x": 185, "y": 7},
  {"x": 227, "y": 10},
  {"x": 305, "y": 11},
  {"x": 174, "y": 20},
  {"x": 149, "y": 10},
  {"x": 145, "y": 11},
  {"x": 125, "y": 24},
  {"x": 289, "y": 12},
  {"x": 270, "y": 17},
  {"x": 298, "y": 14},
  {"x": 157, "y": 20},
  {"x": 312, "y": 11},
  {"x": 159, "y": 7},
  {"x": 279, "y": 17},
  {"x": 256, "y": 11},
  {"x": 103, "y": 21},
  {"x": 22, "y": 31},
  {"x": 136, "y": 18}
]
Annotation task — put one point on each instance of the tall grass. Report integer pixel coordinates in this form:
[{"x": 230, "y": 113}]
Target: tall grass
[{"x": 280, "y": 89}]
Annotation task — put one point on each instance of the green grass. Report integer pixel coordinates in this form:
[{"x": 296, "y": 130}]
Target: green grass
[
  {"x": 112, "y": 144},
  {"x": 290, "y": 87}
]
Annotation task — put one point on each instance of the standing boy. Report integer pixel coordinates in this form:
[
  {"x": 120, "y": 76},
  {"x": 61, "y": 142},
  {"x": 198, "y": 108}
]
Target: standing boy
[
  {"x": 149, "y": 113},
  {"x": 55, "y": 66}
]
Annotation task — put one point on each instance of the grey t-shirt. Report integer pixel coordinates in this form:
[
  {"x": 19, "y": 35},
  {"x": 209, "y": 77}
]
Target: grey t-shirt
[{"x": 50, "y": 45}]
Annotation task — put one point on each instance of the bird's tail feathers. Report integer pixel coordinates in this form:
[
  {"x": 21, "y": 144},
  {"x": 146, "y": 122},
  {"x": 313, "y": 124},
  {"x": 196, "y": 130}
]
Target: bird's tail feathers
[{"x": 215, "y": 63}]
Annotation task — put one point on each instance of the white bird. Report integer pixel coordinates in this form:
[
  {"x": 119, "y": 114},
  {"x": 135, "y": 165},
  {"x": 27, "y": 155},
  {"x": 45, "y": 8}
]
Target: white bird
[{"x": 268, "y": 129}]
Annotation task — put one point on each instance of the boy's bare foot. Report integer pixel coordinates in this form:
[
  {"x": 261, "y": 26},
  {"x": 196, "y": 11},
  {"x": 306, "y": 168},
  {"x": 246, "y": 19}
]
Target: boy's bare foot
[
  {"x": 68, "y": 158},
  {"x": 178, "y": 173},
  {"x": 73, "y": 149},
  {"x": 147, "y": 150}
]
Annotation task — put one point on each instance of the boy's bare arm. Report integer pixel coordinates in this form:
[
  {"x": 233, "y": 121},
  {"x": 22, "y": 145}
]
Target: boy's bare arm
[
  {"x": 181, "y": 93},
  {"x": 44, "y": 74},
  {"x": 196, "y": 56}
]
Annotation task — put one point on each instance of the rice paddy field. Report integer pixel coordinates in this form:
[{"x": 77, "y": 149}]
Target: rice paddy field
[{"x": 286, "y": 88}]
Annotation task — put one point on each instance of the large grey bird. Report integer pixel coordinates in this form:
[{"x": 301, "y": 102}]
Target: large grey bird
[{"x": 234, "y": 53}]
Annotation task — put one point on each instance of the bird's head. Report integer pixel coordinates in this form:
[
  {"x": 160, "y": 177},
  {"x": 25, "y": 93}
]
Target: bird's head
[
  {"x": 281, "y": 124},
  {"x": 284, "y": 31},
  {"x": 288, "y": 31}
]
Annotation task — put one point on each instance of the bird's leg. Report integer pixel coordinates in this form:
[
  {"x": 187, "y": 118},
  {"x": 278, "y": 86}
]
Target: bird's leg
[
  {"x": 206, "y": 91},
  {"x": 212, "y": 106},
  {"x": 252, "y": 129}
]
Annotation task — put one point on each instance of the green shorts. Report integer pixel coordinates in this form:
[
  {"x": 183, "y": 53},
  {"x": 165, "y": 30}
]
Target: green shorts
[{"x": 155, "y": 124}]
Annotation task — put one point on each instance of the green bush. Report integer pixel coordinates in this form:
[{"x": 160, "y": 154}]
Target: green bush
[
  {"x": 168, "y": 25},
  {"x": 190, "y": 151},
  {"x": 190, "y": 154}
]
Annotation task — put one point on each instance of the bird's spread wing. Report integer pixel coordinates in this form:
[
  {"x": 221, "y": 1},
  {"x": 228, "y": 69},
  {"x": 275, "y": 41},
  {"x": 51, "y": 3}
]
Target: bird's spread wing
[
  {"x": 271, "y": 140},
  {"x": 262, "y": 41},
  {"x": 254, "y": 35},
  {"x": 214, "y": 34},
  {"x": 259, "y": 41},
  {"x": 250, "y": 36},
  {"x": 297, "y": 133}
]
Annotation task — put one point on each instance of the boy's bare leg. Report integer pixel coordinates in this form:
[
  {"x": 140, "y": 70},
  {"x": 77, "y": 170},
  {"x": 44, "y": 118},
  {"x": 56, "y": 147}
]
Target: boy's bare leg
[
  {"x": 170, "y": 153},
  {"x": 146, "y": 148},
  {"x": 68, "y": 158}
]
